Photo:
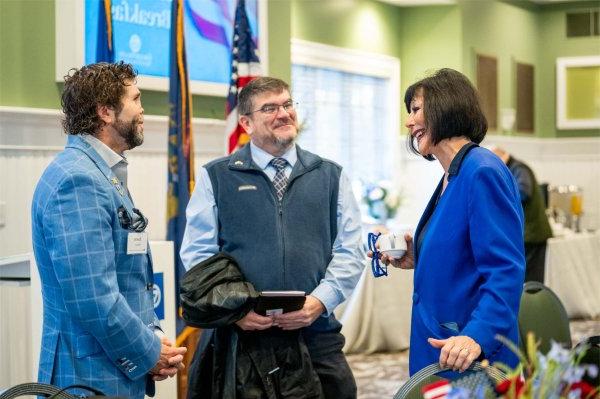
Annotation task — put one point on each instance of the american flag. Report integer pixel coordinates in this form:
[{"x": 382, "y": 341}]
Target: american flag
[
  {"x": 245, "y": 66},
  {"x": 437, "y": 390}
]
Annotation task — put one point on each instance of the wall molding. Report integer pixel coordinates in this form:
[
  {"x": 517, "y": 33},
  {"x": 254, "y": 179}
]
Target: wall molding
[
  {"x": 39, "y": 129},
  {"x": 548, "y": 149}
]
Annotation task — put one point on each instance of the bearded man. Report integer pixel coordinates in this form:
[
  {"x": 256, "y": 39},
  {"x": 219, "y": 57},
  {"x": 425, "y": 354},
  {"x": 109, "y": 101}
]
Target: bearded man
[{"x": 92, "y": 253}]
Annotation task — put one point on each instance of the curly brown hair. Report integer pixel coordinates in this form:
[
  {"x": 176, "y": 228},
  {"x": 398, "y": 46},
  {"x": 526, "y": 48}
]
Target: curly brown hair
[{"x": 91, "y": 86}]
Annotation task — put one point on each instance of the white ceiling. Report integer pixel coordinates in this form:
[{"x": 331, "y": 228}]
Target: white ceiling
[{"x": 411, "y": 3}]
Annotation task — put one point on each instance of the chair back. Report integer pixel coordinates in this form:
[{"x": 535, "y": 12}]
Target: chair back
[
  {"x": 543, "y": 313},
  {"x": 412, "y": 388},
  {"x": 34, "y": 388},
  {"x": 45, "y": 391}
]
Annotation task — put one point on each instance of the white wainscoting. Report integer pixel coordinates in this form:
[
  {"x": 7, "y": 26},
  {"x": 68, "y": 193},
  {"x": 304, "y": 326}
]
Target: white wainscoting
[
  {"x": 563, "y": 161},
  {"x": 30, "y": 138}
]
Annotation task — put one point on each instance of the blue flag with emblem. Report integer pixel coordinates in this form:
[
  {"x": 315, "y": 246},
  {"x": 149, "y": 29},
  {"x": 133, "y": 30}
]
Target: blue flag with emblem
[
  {"x": 104, "y": 44},
  {"x": 181, "y": 148}
]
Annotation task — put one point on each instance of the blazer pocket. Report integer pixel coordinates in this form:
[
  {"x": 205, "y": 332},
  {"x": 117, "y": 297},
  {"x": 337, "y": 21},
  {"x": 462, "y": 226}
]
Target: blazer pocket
[
  {"x": 86, "y": 345},
  {"x": 437, "y": 329},
  {"x": 450, "y": 326}
]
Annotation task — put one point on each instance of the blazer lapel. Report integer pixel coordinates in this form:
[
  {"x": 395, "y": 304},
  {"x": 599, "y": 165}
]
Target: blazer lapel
[{"x": 80, "y": 144}]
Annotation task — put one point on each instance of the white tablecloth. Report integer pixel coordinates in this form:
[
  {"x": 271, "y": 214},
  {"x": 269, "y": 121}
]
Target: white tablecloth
[
  {"x": 573, "y": 272},
  {"x": 376, "y": 318}
]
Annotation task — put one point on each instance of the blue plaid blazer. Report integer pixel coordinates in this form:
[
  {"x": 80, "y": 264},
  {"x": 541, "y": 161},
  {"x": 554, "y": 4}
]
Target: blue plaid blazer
[{"x": 99, "y": 318}]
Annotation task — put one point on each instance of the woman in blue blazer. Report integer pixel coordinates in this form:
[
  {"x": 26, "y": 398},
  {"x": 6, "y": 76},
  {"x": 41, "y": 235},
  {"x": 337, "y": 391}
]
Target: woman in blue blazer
[{"x": 468, "y": 251}]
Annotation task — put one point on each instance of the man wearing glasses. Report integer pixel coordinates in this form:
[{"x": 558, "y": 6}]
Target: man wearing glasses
[
  {"x": 290, "y": 220},
  {"x": 100, "y": 329}
]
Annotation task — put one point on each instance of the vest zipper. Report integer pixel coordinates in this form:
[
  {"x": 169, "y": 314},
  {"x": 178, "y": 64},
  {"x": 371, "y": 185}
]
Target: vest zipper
[
  {"x": 280, "y": 224},
  {"x": 281, "y": 230}
]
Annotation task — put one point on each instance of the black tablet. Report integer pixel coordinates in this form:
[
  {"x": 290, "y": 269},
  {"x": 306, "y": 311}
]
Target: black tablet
[{"x": 277, "y": 302}]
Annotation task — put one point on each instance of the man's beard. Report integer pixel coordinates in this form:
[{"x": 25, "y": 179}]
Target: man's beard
[
  {"x": 129, "y": 132},
  {"x": 283, "y": 143}
]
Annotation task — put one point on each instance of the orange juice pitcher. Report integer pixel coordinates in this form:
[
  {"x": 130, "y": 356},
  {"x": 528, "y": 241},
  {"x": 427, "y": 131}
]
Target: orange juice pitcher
[{"x": 576, "y": 204}]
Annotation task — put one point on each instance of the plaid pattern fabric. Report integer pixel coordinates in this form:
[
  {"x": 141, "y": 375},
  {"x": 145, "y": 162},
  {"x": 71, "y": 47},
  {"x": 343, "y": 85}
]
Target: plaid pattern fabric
[
  {"x": 280, "y": 180},
  {"x": 98, "y": 311}
]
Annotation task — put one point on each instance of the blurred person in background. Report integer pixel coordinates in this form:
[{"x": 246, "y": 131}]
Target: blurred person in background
[{"x": 537, "y": 226}]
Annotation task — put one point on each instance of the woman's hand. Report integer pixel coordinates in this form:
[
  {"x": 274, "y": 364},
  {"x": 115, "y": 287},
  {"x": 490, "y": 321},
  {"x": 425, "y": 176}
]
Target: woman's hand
[
  {"x": 457, "y": 352},
  {"x": 407, "y": 261}
]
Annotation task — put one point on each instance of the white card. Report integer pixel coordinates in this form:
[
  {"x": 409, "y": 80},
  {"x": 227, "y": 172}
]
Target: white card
[
  {"x": 273, "y": 312},
  {"x": 137, "y": 243}
]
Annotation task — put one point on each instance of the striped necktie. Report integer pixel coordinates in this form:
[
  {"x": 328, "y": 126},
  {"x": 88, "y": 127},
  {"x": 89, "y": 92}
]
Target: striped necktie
[{"x": 280, "y": 180}]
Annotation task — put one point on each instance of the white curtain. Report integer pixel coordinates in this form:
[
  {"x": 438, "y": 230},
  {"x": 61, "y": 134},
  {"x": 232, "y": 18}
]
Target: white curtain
[{"x": 346, "y": 117}]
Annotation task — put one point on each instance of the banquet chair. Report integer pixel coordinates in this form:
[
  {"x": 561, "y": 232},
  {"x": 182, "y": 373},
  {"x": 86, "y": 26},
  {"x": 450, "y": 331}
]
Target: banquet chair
[
  {"x": 412, "y": 388},
  {"x": 543, "y": 313},
  {"x": 46, "y": 391}
]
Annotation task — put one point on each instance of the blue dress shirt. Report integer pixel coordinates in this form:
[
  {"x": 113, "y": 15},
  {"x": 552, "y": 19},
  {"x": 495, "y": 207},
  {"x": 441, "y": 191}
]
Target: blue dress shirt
[{"x": 200, "y": 240}]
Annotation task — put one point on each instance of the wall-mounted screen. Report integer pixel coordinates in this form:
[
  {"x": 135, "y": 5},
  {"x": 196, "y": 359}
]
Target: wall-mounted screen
[{"x": 141, "y": 31}]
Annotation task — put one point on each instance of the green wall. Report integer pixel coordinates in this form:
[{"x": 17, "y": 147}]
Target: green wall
[
  {"x": 518, "y": 31},
  {"x": 430, "y": 40},
  {"x": 552, "y": 35},
  {"x": 279, "y": 14},
  {"x": 365, "y": 25},
  {"x": 358, "y": 24},
  {"x": 27, "y": 59},
  {"x": 27, "y": 55},
  {"x": 423, "y": 38},
  {"x": 506, "y": 32}
]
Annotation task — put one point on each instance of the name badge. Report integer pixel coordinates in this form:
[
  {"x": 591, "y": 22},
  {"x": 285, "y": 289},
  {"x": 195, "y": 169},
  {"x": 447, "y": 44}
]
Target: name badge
[{"x": 137, "y": 243}]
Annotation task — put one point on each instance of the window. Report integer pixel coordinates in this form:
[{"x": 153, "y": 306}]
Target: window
[{"x": 348, "y": 108}]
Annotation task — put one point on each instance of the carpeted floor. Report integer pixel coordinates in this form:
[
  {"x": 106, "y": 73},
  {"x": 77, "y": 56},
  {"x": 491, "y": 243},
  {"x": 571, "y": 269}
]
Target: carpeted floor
[{"x": 380, "y": 375}]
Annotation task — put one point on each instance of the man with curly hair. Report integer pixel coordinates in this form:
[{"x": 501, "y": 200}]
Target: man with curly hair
[{"x": 99, "y": 329}]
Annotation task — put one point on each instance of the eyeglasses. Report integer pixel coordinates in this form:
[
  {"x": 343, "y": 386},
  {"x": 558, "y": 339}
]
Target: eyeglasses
[
  {"x": 271, "y": 109},
  {"x": 377, "y": 269}
]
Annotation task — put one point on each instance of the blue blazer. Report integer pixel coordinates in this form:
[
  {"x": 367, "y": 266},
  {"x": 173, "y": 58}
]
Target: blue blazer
[
  {"x": 470, "y": 268},
  {"x": 99, "y": 319}
]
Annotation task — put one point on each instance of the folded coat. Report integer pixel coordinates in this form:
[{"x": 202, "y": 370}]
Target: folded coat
[{"x": 236, "y": 364}]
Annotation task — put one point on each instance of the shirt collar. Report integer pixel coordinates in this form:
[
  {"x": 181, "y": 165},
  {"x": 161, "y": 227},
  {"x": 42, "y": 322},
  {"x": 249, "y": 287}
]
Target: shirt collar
[
  {"x": 106, "y": 153},
  {"x": 262, "y": 158},
  {"x": 459, "y": 158}
]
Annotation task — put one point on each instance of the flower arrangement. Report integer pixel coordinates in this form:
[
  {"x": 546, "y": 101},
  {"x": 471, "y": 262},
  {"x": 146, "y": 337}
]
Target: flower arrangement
[
  {"x": 557, "y": 375},
  {"x": 382, "y": 200}
]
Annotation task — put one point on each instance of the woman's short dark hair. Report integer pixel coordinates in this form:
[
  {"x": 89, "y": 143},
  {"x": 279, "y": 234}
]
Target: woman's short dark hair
[
  {"x": 87, "y": 88},
  {"x": 451, "y": 107},
  {"x": 258, "y": 86}
]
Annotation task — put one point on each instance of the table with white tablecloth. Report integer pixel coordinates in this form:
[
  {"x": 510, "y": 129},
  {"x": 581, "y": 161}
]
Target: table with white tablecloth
[
  {"x": 573, "y": 272},
  {"x": 376, "y": 318}
]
